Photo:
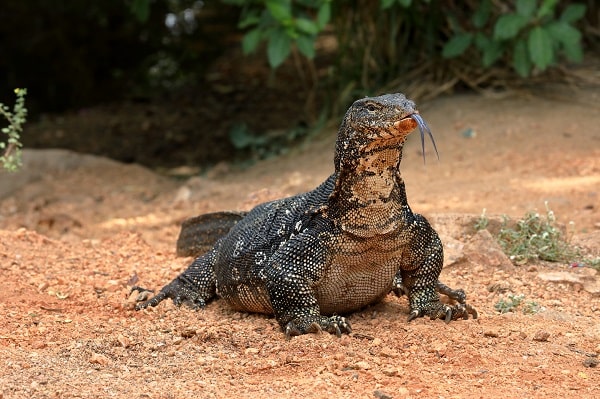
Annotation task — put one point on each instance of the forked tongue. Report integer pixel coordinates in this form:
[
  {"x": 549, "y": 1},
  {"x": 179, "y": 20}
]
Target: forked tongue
[{"x": 424, "y": 128}]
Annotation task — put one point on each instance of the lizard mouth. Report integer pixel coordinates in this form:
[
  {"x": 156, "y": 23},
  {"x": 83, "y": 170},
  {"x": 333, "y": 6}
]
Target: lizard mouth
[{"x": 411, "y": 122}]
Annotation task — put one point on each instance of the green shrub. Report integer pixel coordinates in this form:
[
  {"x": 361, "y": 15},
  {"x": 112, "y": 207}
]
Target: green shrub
[
  {"x": 531, "y": 34},
  {"x": 10, "y": 150},
  {"x": 512, "y": 302}
]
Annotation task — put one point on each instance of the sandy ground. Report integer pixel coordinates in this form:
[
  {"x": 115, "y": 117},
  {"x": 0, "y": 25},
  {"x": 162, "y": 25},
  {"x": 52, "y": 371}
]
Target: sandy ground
[{"x": 77, "y": 231}]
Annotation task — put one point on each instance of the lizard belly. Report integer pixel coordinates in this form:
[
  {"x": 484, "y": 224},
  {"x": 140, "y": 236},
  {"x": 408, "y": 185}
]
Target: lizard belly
[{"x": 355, "y": 280}]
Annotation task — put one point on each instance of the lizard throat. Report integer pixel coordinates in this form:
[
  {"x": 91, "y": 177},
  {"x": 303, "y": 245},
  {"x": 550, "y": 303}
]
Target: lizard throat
[{"x": 371, "y": 193}]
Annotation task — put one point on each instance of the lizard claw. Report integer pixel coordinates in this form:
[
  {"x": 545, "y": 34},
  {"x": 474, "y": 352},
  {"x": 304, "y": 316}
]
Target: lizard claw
[
  {"x": 176, "y": 290},
  {"x": 413, "y": 315},
  {"x": 446, "y": 312},
  {"x": 334, "y": 325}
]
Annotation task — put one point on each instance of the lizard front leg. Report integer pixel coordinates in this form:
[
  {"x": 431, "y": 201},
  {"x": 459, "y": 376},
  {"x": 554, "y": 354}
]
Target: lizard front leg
[
  {"x": 457, "y": 295},
  {"x": 289, "y": 278},
  {"x": 422, "y": 285}
]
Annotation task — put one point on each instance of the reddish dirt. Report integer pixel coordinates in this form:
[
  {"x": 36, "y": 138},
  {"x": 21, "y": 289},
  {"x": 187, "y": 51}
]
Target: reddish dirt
[{"x": 77, "y": 231}]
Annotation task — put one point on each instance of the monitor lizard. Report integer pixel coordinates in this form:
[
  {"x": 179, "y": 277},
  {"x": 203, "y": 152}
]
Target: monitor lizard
[{"x": 313, "y": 257}]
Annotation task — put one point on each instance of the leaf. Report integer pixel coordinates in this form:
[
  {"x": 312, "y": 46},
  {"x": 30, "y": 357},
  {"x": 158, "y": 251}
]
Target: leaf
[
  {"x": 569, "y": 38},
  {"x": 564, "y": 33},
  {"x": 540, "y": 47},
  {"x": 278, "y": 48},
  {"x": 141, "y": 9},
  {"x": 482, "y": 14},
  {"x": 546, "y": 8},
  {"x": 251, "y": 40},
  {"x": 526, "y": 8},
  {"x": 249, "y": 19},
  {"x": 481, "y": 41},
  {"x": 491, "y": 53},
  {"x": 573, "y": 12},
  {"x": 405, "y": 3},
  {"x": 508, "y": 26},
  {"x": 324, "y": 15},
  {"x": 457, "y": 45},
  {"x": 521, "y": 62},
  {"x": 281, "y": 10},
  {"x": 385, "y": 4},
  {"x": 307, "y": 26},
  {"x": 573, "y": 53},
  {"x": 306, "y": 46}
]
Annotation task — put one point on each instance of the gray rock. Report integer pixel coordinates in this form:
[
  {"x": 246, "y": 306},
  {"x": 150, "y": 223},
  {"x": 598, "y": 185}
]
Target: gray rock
[{"x": 483, "y": 249}]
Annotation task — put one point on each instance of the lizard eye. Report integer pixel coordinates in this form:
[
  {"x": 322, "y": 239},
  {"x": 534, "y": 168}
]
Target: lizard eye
[{"x": 372, "y": 107}]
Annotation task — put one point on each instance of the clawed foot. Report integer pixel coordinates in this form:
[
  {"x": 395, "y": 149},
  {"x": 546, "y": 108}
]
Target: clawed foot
[
  {"x": 446, "y": 312},
  {"x": 334, "y": 325},
  {"x": 458, "y": 295},
  {"x": 177, "y": 290}
]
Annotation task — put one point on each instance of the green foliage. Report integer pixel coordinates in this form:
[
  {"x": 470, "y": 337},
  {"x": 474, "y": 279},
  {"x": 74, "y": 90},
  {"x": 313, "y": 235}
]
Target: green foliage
[
  {"x": 282, "y": 24},
  {"x": 512, "y": 302},
  {"x": 535, "y": 237},
  {"x": 531, "y": 32},
  {"x": 140, "y": 9},
  {"x": 483, "y": 221},
  {"x": 266, "y": 145},
  {"x": 10, "y": 150},
  {"x": 530, "y": 36}
]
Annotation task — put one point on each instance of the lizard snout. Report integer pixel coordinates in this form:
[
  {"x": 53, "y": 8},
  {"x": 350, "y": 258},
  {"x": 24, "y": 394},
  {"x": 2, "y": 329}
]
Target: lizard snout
[{"x": 406, "y": 125}]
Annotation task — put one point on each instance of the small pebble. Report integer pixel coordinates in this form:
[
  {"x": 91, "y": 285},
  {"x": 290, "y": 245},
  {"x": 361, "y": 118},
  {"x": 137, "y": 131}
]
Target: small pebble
[
  {"x": 381, "y": 395},
  {"x": 362, "y": 365},
  {"x": 38, "y": 344},
  {"x": 491, "y": 333},
  {"x": 590, "y": 361},
  {"x": 541, "y": 336},
  {"x": 100, "y": 359}
]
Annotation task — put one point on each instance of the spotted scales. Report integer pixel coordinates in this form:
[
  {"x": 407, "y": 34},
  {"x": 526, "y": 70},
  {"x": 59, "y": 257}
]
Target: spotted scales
[{"x": 313, "y": 257}]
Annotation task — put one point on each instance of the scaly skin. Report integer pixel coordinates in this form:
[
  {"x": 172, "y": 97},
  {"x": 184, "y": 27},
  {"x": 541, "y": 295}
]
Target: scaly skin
[{"x": 335, "y": 249}]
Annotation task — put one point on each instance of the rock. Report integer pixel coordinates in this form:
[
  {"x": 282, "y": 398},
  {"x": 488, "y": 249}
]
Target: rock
[
  {"x": 585, "y": 277},
  {"x": 100, "y": 359},
  {"x": 590, "y": 361},
  {"x": 482, "y": 249},
  {"x": 381, "y": 395},
  {"x": 453, "y": 251},
  {"x": 541, "y": 336},
  {"x": 362, "y": 365},
  {"x": 491, "y": 334},
  {"x": 589, "y": 242}
]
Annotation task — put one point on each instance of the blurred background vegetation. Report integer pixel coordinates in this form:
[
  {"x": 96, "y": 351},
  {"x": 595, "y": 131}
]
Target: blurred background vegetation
[{"x": 188, "y": 82}]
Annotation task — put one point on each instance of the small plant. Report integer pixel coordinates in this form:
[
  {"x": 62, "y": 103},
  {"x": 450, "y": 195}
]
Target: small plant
[
  {"x": 512, "y": 302},
  {"x": 509, "y": 304},
  {"x": 536, "y": 237},
  {"x": 531, "y": 307},
  {"x": 10, "y": 151},
  {"x": 482, "y": 222}
]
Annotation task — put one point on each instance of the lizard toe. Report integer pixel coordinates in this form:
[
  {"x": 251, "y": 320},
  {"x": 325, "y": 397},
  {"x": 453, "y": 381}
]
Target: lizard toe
[
  {"x": 413, "y": 315},
  {"x": 334, "y": 325}
]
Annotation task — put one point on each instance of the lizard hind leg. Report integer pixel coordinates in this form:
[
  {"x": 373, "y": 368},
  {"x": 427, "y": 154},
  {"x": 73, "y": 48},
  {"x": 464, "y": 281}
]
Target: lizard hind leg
[{"x": 194, "y": 287}]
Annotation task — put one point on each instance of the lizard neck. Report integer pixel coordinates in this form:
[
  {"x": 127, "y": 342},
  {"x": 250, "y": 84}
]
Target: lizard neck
[{"x": 369, "y": 197}]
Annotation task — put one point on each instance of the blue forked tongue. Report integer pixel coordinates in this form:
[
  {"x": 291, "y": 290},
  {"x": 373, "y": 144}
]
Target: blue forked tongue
[{"x": 424, "y": 128}]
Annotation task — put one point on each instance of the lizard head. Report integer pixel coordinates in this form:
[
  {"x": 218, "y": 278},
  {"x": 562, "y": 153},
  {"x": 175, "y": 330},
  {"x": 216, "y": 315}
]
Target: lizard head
[{"x": 379, "y": 122}]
